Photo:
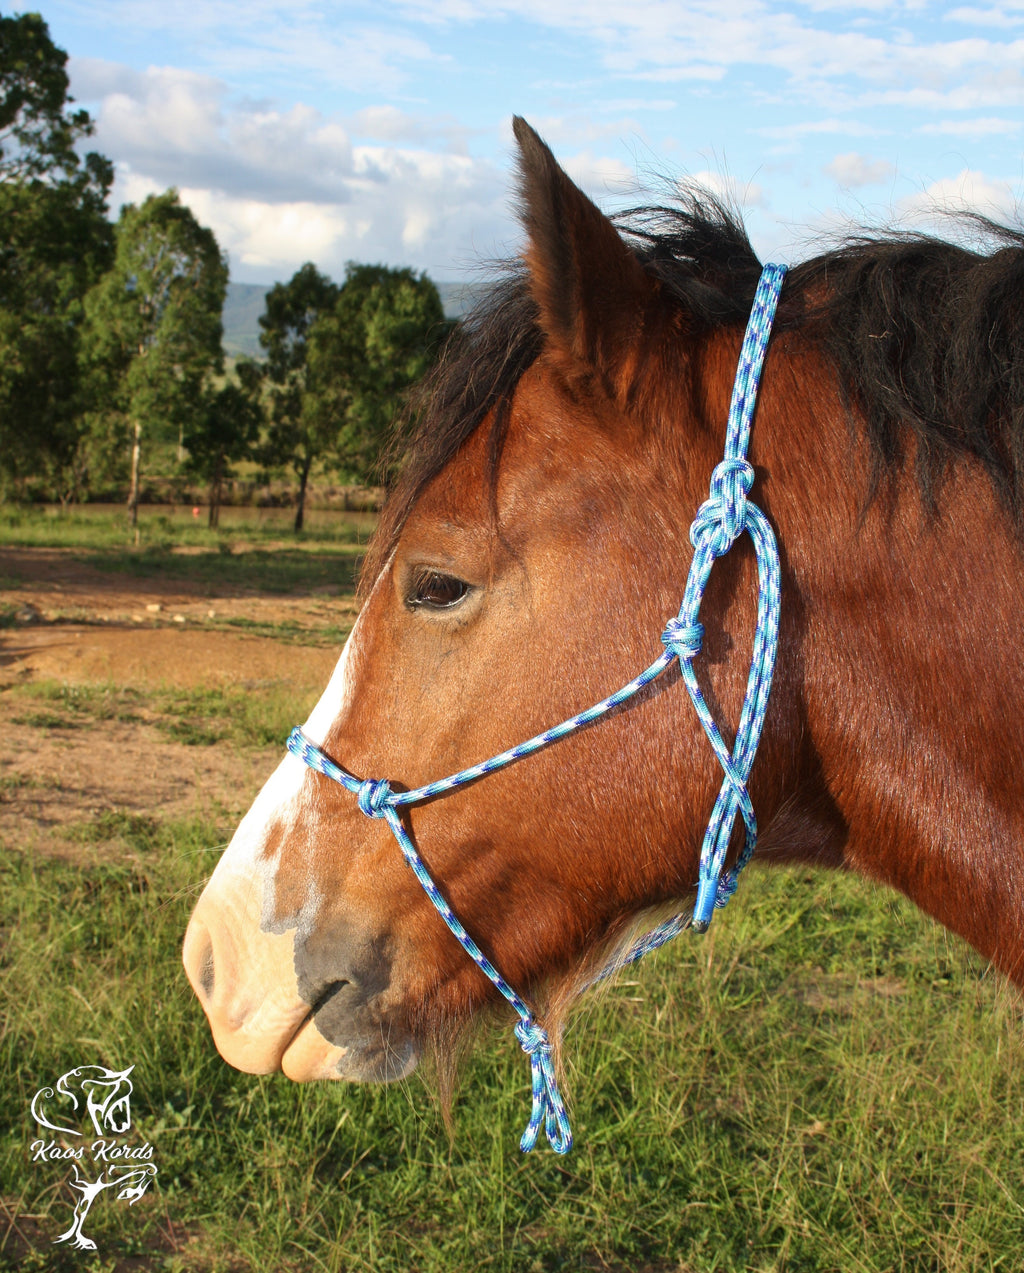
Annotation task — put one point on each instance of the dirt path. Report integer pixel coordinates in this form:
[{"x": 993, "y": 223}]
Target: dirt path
[
  {"x": 59, "y": 770},
  {"x": 82, "y": 655},
  {"x": 54, "y": 585}
]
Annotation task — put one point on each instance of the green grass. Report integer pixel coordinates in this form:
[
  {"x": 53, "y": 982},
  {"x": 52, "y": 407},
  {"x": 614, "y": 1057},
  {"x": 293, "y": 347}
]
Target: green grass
[
  {"x": 331, "y": 567},
  {"x": 198, "y": 717},
  {"x": 99, "y": 528},
  {"x": 825, "y": 1082},
  {"x": 245, "y": 556}
]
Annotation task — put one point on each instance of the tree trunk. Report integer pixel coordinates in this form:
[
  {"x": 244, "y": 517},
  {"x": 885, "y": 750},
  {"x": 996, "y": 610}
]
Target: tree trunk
[
  {"x": 133, "y": 490},
  {"x": 215, "y": 488},
  {"x": 300, "y": 508}
]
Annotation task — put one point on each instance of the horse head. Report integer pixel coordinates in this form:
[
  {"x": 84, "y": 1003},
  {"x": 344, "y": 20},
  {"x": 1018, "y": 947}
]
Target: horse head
[{"x": 525, "y": 564}]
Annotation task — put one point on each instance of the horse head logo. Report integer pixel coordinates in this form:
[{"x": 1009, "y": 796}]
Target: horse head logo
[
  {"x": 93, "y": 1094},
  {"x": 106, "y": 1095}
]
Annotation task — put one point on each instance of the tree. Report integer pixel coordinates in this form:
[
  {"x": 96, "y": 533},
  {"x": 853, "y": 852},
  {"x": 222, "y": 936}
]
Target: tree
[
  {"x": 225, "y": 431},
  {"x": 342, "y": 360},
  {"x": 297, "y": 436},
  {"x": 381, "y": 337},
  {"x": 153, "y": 324},
  {"x": 55, "y": 241},
  {"x": 37, "y": 134}
]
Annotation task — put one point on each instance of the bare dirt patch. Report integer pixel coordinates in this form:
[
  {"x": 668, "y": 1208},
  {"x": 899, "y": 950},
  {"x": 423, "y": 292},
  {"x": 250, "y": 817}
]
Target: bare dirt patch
[
  {"x": 59, "y": 770},
  {"x": 81, "y": 654},
  {"x": 54, "y": 585}
]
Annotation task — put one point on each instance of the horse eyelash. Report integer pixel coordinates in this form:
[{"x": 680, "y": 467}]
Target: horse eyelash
[{"x": 424, "y": 578}]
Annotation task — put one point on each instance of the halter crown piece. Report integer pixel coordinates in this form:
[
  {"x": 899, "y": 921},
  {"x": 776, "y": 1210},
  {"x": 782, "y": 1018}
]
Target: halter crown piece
[{"x": 721, "y": 519}]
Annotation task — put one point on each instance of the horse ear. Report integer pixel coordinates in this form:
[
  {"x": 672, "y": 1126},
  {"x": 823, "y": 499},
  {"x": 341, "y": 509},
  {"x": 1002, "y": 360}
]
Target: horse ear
[{"x": 596, "y": 301}]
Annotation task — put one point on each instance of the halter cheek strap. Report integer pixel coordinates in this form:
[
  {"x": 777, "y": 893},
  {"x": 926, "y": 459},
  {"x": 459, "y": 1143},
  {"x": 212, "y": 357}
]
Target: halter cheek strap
[{"x": 721, "y": 519}]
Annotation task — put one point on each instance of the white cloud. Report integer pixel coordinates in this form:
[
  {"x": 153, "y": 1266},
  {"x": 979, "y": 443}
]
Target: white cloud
[
  {"x": 630, "y": 104},
  {"x": 270, "y": 239},
  {"x": 274, "y": 38},
  {"x": 853, "y": 169},
  {"x": 988, "y": 126},
  {"x": 401, "y": 207},
  {"x": 1009, "y": 15},
  {"x": 280, "y": 187},
  {"x": 677, "y": 40},
  {"x": 968, "y": 191},
  {"x": 810, "y": 127},
  {"x": 367, "y": 149},
  {"x": 821, "y": 48},
  {"x": 389, "y": 124},
  {"x": 600, "y": 175},
  {"x": 996, "y": 89},
  {"x": 581, "y": 129},
  {"x": 180, "y": 128},
  {"x": 732, "y": 192}
]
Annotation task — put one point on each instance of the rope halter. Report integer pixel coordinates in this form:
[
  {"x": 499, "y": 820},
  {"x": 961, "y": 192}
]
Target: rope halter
[{"x": 720, "y": 520}]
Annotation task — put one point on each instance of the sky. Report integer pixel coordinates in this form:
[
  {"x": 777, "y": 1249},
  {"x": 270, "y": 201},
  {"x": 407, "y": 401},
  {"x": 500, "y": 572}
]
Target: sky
[{"x": 335, "y": 131}]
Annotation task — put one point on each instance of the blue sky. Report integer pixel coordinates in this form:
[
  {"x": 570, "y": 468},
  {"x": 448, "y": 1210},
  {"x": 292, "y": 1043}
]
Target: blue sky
[{"x": 329, "y": 132}]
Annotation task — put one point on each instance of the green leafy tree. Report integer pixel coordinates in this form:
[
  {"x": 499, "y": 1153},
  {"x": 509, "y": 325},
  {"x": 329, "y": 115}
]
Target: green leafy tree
[
  {"x": 153, "y": 326},
  {"x": 55, "y": 242},
  {"x": 382, "y": 336},
  {"x": 225, "y": 431},
  {"x": 38, "y": 134},
  {"x": 298, "y": 436}
]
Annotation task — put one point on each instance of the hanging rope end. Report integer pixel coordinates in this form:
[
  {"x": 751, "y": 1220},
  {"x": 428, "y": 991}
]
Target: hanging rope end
[
  {"x": 561, "y": 1144},
  {"x": 704, "y": 909},
  {"x": 548, "y": 1107}
]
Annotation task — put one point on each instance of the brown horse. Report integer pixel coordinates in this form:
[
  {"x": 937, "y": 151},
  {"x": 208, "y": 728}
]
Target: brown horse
[{"x": 534, "y": 546}]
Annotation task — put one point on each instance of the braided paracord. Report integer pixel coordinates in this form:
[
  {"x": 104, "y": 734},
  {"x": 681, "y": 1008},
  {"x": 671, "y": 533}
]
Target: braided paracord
[{"x": 719, "y": 522}]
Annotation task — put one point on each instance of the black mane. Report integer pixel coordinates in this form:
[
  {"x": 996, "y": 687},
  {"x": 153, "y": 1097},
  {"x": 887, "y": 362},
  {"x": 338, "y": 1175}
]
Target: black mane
[{"x": 925, "y": 336}]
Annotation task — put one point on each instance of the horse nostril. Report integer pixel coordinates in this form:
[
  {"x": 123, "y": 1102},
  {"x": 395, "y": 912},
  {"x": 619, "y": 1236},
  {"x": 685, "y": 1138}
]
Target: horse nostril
[
  {"x": 198, "y": 958},
  {"x": 205, "y": 977}
]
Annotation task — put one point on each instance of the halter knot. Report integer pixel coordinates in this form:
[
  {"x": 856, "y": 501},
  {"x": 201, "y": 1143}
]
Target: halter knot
[
  {"x": 722, "y": 517},
  {"x": 533, "y": 1038},
  {"x": 548, "y": 1107},
  {"x": 683, "y": 639},
  {"x": 373, "y": 797}
]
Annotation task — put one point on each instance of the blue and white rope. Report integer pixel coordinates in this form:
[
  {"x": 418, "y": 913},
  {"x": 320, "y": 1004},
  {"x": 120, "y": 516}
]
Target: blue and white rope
[
  {"x": 377, "y": 800},
  {"x": 721, "y": 519}
]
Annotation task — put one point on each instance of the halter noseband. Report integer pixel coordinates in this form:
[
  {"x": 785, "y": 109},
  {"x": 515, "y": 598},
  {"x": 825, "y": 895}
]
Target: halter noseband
[{"x": 719, "y": 522}]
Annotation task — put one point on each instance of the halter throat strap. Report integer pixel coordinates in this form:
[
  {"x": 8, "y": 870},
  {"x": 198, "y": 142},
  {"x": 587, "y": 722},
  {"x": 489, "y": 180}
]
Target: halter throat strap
[{"x": 720, "y": 520}]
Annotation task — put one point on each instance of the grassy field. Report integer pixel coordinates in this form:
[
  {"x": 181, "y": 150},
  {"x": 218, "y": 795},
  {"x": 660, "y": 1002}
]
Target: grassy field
[
  {"x": 826, "y": 1081},
  {"x": 178, "y": 547},
  {"x": 99, "y": 528}
]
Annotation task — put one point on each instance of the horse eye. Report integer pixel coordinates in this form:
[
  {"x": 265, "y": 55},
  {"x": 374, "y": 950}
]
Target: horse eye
[{"x": 437, "y": 591}]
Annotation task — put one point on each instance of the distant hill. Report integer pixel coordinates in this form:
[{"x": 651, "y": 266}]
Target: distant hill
[
  {"x": 243, "y": 306},
  {"x": 245, "y": 302}
]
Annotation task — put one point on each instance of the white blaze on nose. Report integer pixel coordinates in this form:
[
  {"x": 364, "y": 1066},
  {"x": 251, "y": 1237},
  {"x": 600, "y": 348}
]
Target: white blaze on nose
[
  {"x": 281, "y": 803},
  {"x": 335, "y": 697},
  {"x": 239, "y": 952}
]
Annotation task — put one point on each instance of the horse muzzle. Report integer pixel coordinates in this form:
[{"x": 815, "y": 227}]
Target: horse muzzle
[
  {"x": 310, "y": 994},
  {"x": 263, "y": 1022}
]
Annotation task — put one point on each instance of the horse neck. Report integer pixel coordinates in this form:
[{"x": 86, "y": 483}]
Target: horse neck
[{"x": 900, "y": 666}]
